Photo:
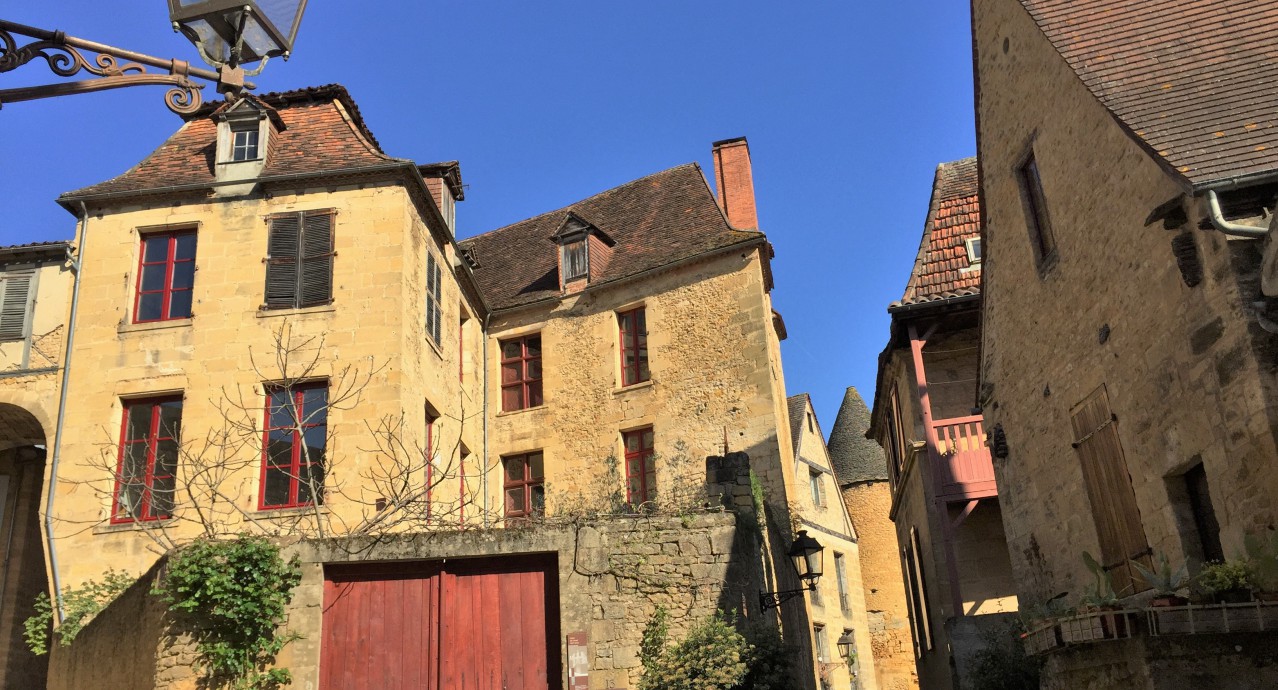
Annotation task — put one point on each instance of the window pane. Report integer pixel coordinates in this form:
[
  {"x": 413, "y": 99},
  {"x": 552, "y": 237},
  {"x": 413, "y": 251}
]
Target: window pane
[
  {"x": 183, "y": 275},
  {"x": 129, "y": 500},
  {"x": 632, "y": 442},
  {"x": 537, "y": 469},
  {"x": 538, "y": 499},
  {"x": 279, "y": 447},
  {"x": 314, "y": 438},
  {"x": 277, "y": 488},
  {"x": 534, "y": 394},
  {"x": 635, "y": 490},
  {"x": 185, "y": 247},
  {"x": 153, "y": 277},
  {"x": 641, "y": 322},
  {"x": 515, "y": 469},
  {"x": 624, "y": 321},
  {"x": 534, "y": 368},
  {"x": 166, "y": 458},
  {"x": 512, "y": 398},
  {"x": 155, "y": 249},
  {"x": 133, "y": 467},
  {"x": 315, "y": 406},
  {"x": 311, "y": 484},
  {"x": 533, "y": 346},
  {"x": 162, "y": 497},
  {"x": 281, "y": 409},
  {"x": 510, "y": 349},
  {"x": 150, "y": 306},
  {"x": 510, "y": 373},
  {"x": 180, "y": 305},
  {"x": 647, "y": 438},
  {"x": 139, "y": 422},
  {"x": 643, "y": 366},
  {"x": 515, "y": 500}
]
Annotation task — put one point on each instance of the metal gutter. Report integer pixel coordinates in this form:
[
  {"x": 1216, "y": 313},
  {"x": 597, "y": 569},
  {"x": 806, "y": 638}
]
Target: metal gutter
[
  {"x": 1226, "y": 227},
  {"x": 932, "y": 304},
  {"x": 1238, "y": 182}
]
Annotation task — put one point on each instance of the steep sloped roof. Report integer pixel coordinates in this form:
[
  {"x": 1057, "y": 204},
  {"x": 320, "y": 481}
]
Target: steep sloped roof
[
  {"x": 655, "y": 221},
  {"x": 795, "y": 407},
  {"x": 941, "y": 268},
  {"x": 323, "y": 132},
  {"x": 1195, "y": 80},
  {"x": 855, "y": 457}
]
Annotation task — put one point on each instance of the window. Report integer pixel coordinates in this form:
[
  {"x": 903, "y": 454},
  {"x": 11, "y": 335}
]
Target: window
[
  {"x": 916, "y": 591},
  {"x": 814, "y": 483},
  {"x": 576, "y": 260},
  {"x": 1036, "y": 211},
  {"x": 895, "y": 441},
  {"x": 525, "y": 492},
  {"x": 15, "y": 305},
  {"x": 973, "y": 250},
  {"x": 299, "y": 262},
  {"x": 1109, "y": 488},
  {"x": 295, "y": 441},
  {"x": 166, "y": 274},
  {"x": 811, "y": 426},
  {"x": 434, "y": 315},
  {"x": 634, "y": 346},
  {"x": 841, "y": 575},
  {"x": 145, "y": 479},
  {"x": 244, "y": 142},
  {"x": 521, "y": 373},
  {"x": 822, "y": 644},
  {"x": 641, "y": 475},
  {"x": 1205, "y": 523}
]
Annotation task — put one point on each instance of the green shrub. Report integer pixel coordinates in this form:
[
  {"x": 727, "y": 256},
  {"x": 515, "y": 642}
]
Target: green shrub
[
  {"x": 1002, "y": 663},
  {"x": 234, "y": 594},
  {"x": 714, "y": 655},
  {"x": 79, "y": 605},
  {"x": 1216, "y": 578}
]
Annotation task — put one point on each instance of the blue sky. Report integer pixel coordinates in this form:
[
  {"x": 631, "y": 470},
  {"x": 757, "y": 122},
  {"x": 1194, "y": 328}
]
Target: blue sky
[{"x": 848, "y": 107}]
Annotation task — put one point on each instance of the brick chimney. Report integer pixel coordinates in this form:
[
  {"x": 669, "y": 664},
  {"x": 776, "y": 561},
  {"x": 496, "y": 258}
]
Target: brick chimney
[{"x": 734, "y": 183}]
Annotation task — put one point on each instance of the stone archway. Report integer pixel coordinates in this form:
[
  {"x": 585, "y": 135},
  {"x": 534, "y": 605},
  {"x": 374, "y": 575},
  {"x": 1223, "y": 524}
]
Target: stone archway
[{"x": 22, "y": 565}]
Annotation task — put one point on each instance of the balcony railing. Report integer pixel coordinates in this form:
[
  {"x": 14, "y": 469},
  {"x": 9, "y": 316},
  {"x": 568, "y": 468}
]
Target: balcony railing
[{"x": 964, "y": 464}]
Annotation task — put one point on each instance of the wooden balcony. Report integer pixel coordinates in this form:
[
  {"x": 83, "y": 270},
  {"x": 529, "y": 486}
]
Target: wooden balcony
[{"x": 962, "y": 460}]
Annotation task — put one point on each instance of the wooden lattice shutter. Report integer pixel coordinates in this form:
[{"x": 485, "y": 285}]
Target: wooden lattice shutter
[
  {"x": 1109, "y": 487},
  {"x": 316, "y": 280},
  {"x": 433, "y": 316},
  {"x": 14, "y": 306},
  {"x": 281, "y": 261}
]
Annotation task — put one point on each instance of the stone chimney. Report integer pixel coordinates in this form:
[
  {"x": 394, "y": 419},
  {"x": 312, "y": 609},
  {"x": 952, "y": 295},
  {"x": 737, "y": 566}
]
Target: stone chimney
[{"x": 734, "y": 183}]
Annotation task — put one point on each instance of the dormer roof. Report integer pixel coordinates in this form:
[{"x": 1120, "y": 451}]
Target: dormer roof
[
  {"x": 574, "y": 226},
  {"x": 248, "y": 102}
]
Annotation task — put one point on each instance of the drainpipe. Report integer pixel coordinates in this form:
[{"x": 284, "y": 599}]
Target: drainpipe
[
  {"x": 483, "y": 340},
  {"x": 77, "y": 262},
  {"x": 1228, "y": 228}
]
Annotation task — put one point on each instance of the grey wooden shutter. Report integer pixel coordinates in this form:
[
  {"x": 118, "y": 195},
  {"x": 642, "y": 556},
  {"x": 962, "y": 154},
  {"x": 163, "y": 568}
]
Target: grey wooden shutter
[
  {"x": 282, "y": 261},
  {"x": 316, "y": 280},
  {"x": 13, "y": 306},
  {"x": 432, "y": 298}
]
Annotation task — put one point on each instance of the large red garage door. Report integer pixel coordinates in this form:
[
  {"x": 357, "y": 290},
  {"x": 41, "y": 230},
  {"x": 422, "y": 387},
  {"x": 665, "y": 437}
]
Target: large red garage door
[{"x": 470, "y": 624}]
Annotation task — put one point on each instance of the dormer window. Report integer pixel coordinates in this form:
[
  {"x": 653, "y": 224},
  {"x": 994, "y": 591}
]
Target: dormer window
[
  {"x": 974, "y": 251},
  {"x": 576, "y": 260},
  {"x": 244, "y": 141}
]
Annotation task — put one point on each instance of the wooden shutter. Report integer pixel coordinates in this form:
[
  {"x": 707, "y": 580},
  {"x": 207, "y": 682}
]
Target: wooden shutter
[
  {"x": 316, "y": 280},
  {"x": 1109, "y": 488},
  {"x": 921, "y": 591},
  {"x": 281, "y": 261},
  {"x": 433, "y": 316},
  {"x": 13, "y": 306}
]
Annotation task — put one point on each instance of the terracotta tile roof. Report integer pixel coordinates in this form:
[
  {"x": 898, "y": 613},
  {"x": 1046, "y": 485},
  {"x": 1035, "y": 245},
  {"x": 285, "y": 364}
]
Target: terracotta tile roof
[
  {"x": 323, "y": 132},
  {"x": 35, "y": 250},
  {"x": 1195, "y": 80},
  {"x": 655, "y": 220},
  {"x": 942, "y": 270},
  {"x": 855, "y": 457}
]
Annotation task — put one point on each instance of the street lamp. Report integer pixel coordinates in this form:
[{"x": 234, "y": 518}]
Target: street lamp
[
  {"x": 227, "y": 34},
  {"x": 846, "y": 646},
  {"x": 807, "y": 556}
]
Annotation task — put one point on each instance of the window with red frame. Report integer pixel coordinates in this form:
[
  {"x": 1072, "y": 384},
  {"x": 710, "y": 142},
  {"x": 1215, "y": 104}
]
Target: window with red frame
[
  {"x": 145, "y": 482},
  {"x": 166, "y": 275},
  {"x": 295, "y": 441},
  {"x": 525, "y": 489},
  {"x": 641, "y": 474},
  {"x": 521, "y": 373},
  {"x": 634, "y": 346},
  {"x": 430, "y": 460}
]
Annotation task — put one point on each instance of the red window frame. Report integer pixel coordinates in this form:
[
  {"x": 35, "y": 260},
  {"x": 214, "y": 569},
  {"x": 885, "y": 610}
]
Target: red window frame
[
  {"x": 148, "y": 510},
  {"x": 169, "y": 265},
  {"x": 521, "y": 374},
  {"x": 641, "y": 473},
  {"x": 292, "y": 469},
  {"x": 632, "y": 327},
  {"x": 430, "y": 461},
  {"x": 528, "y": 483}
]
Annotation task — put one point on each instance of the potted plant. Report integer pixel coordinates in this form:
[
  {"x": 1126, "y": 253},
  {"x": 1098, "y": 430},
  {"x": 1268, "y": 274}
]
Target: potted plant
[
  {"x": 1262, "y": 557},
  {"x": 1165, "y": 582},
  {"x": 1095, "y": 622},
  {"x": 1229, "y": 582}
]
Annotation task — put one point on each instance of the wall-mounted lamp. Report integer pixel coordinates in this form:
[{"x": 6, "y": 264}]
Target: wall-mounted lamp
[{"x": 807, "y": 555}]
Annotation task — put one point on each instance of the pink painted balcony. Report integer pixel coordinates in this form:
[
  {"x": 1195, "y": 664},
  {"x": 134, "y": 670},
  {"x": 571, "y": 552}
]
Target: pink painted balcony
[{"x": 964, "y": 464}]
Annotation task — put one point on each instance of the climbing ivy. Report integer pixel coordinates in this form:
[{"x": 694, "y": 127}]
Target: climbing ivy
[
  {"x": 234, "y": 594},
  {"x": 79, "y": 606}
]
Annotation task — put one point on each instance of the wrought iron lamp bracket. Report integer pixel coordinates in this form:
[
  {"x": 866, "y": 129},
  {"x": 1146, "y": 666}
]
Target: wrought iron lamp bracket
[
  {"x": 772, "y": 600},
  {"x": 114, "y": 68}
]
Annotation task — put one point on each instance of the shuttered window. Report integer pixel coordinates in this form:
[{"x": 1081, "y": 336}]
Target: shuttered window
[
  {"x": 1109, "y": 488},
  {"x": 433, "y": 313},
  {"x": 15, "y": 304},
  {"x": 918, "y": 595},
  {"x": 299, "y": 262}
]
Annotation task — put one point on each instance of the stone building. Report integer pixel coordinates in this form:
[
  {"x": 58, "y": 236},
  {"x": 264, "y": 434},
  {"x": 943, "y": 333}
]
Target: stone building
[
  {"x": 35, "y": 282},
  {"x": 862, "y": 473},
  {"x": 286, "y": 337},
  {"x": 837, "y": 606},
  {"x": 1128, "y": 177},
  {"x": 945, "y": 503}
]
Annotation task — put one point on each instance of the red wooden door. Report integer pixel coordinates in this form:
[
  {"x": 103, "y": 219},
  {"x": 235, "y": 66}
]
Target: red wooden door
[{"x": 477, "y": 624}]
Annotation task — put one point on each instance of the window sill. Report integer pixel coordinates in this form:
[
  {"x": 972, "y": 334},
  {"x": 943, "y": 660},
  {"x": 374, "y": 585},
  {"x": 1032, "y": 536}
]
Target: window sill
[
  {"x": 433, "y": 346},
  {"x": 507, "y": 413},
  {"x": 135, "y": 526},
  {"x": 154, "y": 325},
  {"x": 320, "y": 309},
  {"x": 633, "y": 387}
]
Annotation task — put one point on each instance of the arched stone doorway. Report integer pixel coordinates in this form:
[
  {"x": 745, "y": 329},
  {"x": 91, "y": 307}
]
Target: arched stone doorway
[{"x": 22, "y": 565}]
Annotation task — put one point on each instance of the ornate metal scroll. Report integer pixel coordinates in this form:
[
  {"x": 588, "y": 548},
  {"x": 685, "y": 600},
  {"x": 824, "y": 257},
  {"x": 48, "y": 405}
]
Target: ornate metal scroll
[{"x": 114, "y": 68}]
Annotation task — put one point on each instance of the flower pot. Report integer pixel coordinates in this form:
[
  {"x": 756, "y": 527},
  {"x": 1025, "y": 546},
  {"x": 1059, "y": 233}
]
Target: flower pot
[{"x": 1168, "y": 600}]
